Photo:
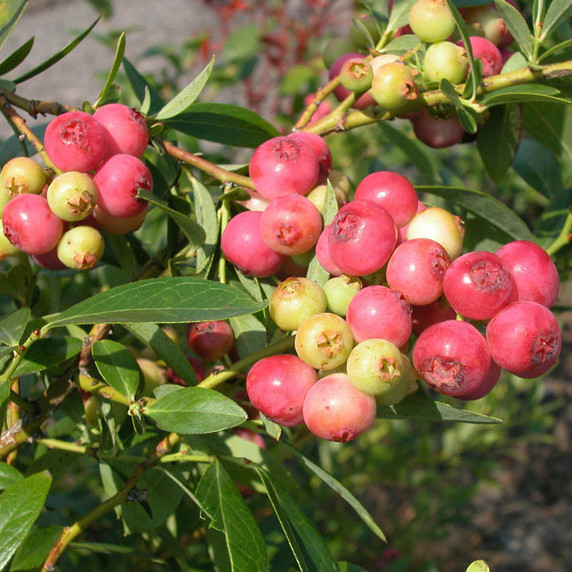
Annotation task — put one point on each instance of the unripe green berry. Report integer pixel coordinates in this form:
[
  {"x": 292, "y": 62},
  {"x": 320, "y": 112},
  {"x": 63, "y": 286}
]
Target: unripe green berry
[
  {"x": 445, "y": 60},
  {"x": 393, "y": 86},
  {"x": 431, "y": 20},
  {"x": 23, "y": 175},
  {"x": 339, "y": 291},
  {"x": 81, "y": 247},
  {"x": 356, "y": 75},
  {"x": 72, "y": 196},
  {"x": 6, "y": 247}
]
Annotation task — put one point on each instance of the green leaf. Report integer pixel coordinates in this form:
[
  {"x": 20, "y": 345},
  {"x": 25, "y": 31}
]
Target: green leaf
[
  {"x": 13, "y": 325},
  {"x": 56, "y": 57},
  {"x": 161, "y": 301},
  {"x": 420, "y": 408},
  {"x": 539, "y": 168},
  {"x": 523, "y": 93},
  {"x": 20, "y": 506},
  {"x": 557, "y": 12},
  {"x": 47, "y": 352},
  {"x": 350, "y": 566},
  {"x": 551, "y": 125},
  {"x": 242, "y": 43},
  {"x": 16, "y": 57},
  {"x": 223, "y": 123},
  {"x": 35, "y": 549},
  {"x": 148, "y": 96},
  {"x": 8, "y": 475},
  {"x": 207, "y": 219},
  {"x": 10, "y": 13},
  {"x": 340, "y": 490},
  {"x": 195, "y": 410},
  {"x": 249, "y": 333},
  {"x": 189, "y": 226},
  {"x": 230, "y": 515},
  {"x": 308, "y": 547},
  {"x": 484, "y": 206},
  {"x": 153, "y": 336},
  {"x": 401, "y": 45},
  {"x": 517, "y": 26},
  {"x": 555, "y": 49},
  {"x": 399, "y": 14},
  {"x": 185, "y": 98},
  {"x": 108, "y": 87},
  {"x": 117, "y": 366},
  {"x": 498, "y": 139}
]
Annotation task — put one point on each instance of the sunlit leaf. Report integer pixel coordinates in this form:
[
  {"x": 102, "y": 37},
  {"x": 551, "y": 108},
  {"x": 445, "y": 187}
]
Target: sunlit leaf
[
  {"x": 47, "y": 352},
  {"x": 558, "y": 11},
  {"x": 10, "y": 13},
  {"x": 13, "y": 325},
  {"x": 516, "y": 25},
  {"x": 16, "y": 57},
  {"x": 117, "y": 366},
  {"x": 108, "y": 87}
]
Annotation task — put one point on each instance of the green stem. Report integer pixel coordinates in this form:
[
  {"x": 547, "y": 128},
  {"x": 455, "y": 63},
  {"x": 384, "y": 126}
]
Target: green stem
[
  {"x": 564, "y": 237},
  {"x": 72, "y": 532},
  {"x": 21, "y": 352},
  {"x": 215, "y": 379},
  {"x": 102, "y": 389}
]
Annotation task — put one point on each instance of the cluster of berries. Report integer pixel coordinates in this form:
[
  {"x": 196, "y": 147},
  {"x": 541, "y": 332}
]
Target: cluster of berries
[
  {"x": 402, "y": 302},
  {"x": 56, "y": 218},
  {"x": 392, "y": 82}
]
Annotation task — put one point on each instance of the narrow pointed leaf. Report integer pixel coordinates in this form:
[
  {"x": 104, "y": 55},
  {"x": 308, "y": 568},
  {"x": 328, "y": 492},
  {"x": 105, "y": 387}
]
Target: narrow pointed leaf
[
  {"x": 47, "y": 352},
  {"x": 517, "y": 26},
  {"x": 223, "y": 123},
  {"x": 207, "y": 219},
  {"x": 195, "y": 410},
  {"x": 56, "y": 57},
  {"x": 230, "y": 515},
  {"x": 485, "y": 206},
  {"x": 399, "y": 14},
  {"x": 149, "y": 98},
  {"x": 339, "y": 489},
  {"x": 10, "y": 13},
  {"x": 154, "y": 337},
  {"x": 117, "y": 366},
  {"x": 16, "y": 57},
  {"x": 185, "y": 98},
  {"x": 421, "y": 408},
  {"x": 13, "y": 325},
  {"x": 107, "y": 88},
  {"x": 558, "y": 11},
  {"x": 308, "y": 546},
  {"x": 20, "y": 506},
  {"x": 161, "y": 301},
  {"x": 524, "y": 93}
]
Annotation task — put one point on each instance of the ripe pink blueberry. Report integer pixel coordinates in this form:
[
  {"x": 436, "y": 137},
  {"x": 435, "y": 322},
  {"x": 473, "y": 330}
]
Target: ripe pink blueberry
[
  {"x": 478, "y": 285},
  {"x": 417, "y": 268},
  {"x": 323, "y": 253},
  {"x": 118, "y": 180},
  {"x": 125, "y": 127},
  {"x": 243, "y": 246},
  {"x": 379, "y": 312},
  {"x": 452, "y": 357},
  {"x": 116, "y": 225},
  {"x": 525, "y": 339},
  {"x": 284, "y": 165},
  {"x": 210, "y": 340},
  {"x": 75, "y": 141},
  {"x": 485, "y": 51},
  {"x": 362, "y": 237},
  {"x": 534, "y": 272},
  {"x": 320, "y": 147},
  {"x": 291, "y": 224},
  {"x": 424, "y": 316},
  {"x": 393, "y": 192},
  {"x": 277, "y": 386},
  {"x": 337, "y": 411},
  {"x": 30, "y": 225},
  {"x": 435, "y": 132}
]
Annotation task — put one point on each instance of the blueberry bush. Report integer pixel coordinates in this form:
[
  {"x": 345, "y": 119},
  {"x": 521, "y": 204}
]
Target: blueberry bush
[{"x": 225, "y": 327}]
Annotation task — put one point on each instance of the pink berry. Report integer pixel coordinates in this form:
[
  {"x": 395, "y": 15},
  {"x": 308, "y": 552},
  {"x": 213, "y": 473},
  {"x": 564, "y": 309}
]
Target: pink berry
[
  {"x": 116, "y": 225},
  {"x": 30, "y": 225},
  {"x": 424, "y": 316},
  {"x": 75, "y": 141},
  {"x": 534, "y": 272},
  {"x": 210, "y": 340},
  {"x": 362, "y": 237},
  {"x": 436, "y": 132},
  {"x": 277, "y": 386},
  {"x": 393, "y": 192},
  {"x": 525, "y": 339},
  {"x": 118, "y": 180},
  {"x": 478, "y": 285},
  {"x": 417, "y": 268},
  {"x": 320, "y": 147},
  {"x": 485, "y": 51},
  {"x": 452, "y": 357},
  {"x": 282, "y": 166},
  {"x": 125, "y": 127},
  {"x": 380, "y": 312},
  {"x": 291, "y": 224},
  {"x": 242, "y": 245},
  {"x": 323, "y": 253},
  {"x": 335, "y": 410}
]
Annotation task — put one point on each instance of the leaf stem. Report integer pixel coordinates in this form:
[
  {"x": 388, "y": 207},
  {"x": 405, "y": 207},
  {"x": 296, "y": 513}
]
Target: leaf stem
[
  {"x": 70, "y": 533},
  {"x": 564, "y": 238}
]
